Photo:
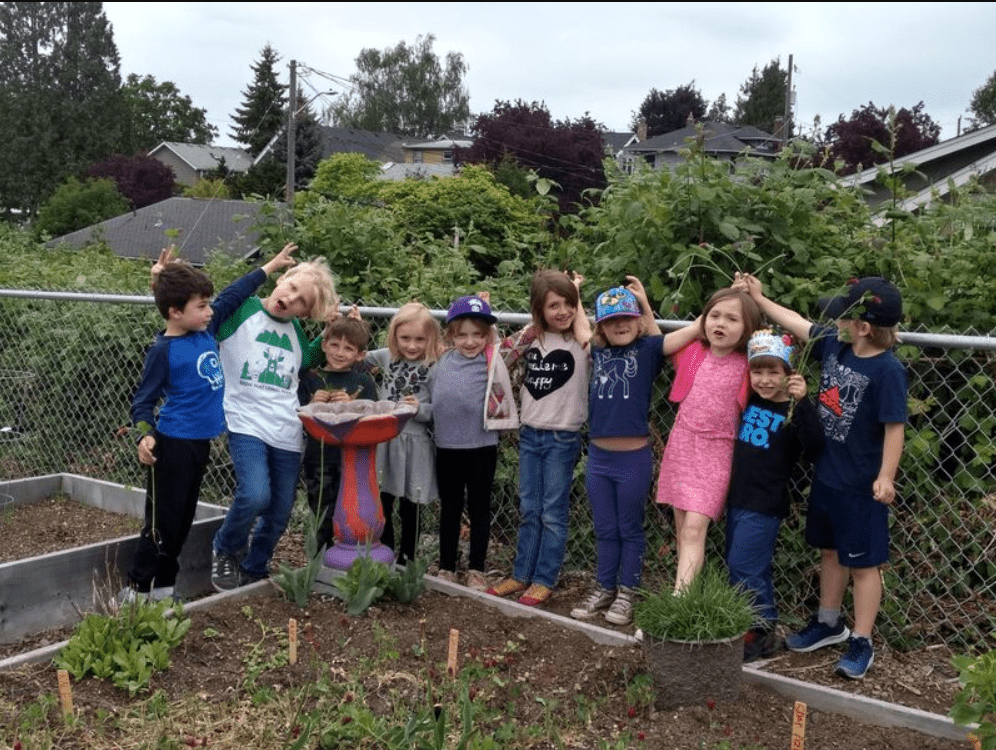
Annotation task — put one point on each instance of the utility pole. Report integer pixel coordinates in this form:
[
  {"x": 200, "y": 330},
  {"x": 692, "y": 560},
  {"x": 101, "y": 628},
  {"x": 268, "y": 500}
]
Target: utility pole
[
  {"x": 787, "y": 126},
  {"x": 291, "y": 133}
]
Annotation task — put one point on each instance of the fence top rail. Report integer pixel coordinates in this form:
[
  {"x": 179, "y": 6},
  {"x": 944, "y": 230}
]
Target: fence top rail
[{"x": 922, "y": 340}]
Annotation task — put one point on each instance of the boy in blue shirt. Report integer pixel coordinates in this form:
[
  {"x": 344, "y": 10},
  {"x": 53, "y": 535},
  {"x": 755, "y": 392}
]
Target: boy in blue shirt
[
  {"x": 862, "y": 406},
  {"x": 182, "y": 370}
]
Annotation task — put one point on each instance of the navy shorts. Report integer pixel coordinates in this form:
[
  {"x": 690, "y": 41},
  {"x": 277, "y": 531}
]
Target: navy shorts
[{"x": 852, "y": 523}]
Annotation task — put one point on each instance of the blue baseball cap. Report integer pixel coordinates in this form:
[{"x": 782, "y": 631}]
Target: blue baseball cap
[
  {"x": 616, "y": 302},
  {"x": 470, "y": 307}
]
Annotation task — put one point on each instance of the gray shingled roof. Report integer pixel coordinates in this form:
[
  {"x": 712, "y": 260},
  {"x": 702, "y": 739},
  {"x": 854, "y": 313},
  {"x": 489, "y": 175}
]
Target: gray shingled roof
[
  {"x": 720, "y": 139},
  {"x": 205, "y": 158},
  {"x": 204, "y": 225}
]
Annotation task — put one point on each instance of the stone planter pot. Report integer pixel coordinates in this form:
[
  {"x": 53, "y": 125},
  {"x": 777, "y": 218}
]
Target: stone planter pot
[{"x": 688, "y": 673}]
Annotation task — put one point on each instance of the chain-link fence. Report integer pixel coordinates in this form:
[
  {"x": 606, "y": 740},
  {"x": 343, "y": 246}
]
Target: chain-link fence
[{"x": 69, "y": 364}]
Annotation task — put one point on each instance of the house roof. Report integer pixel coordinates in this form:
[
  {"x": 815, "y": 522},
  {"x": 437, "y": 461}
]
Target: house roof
[
  {"x": 949, "y": 163},
  {"x": 443, "y": 142},
  {"x": 615, "y": 142},
  {"x": 204, "y": 158},
  {"x": 204, "y": 225},
  {"x": 720, "y": 138}
]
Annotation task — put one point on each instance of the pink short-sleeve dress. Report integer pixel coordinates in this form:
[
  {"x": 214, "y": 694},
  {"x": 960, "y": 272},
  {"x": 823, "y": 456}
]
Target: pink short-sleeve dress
[{"x": 695, "y": 469}]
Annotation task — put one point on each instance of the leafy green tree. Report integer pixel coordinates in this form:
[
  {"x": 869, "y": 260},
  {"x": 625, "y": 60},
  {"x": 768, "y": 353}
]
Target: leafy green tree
[
  {"x": 719, "y": 111},
  {"x": 406, "y": 90},
  {"x": 344, "y": 176},
  {"x": 264, "y": 104},
  {"x": 61, "y": 106},
  {"x": 762, "y": 96},
  {"x": 77, "y": 205},
  {"x": 666, "y": 111},
  {"x": 158, "y": 112},
  {"x": 983, "y": 105},
  {"x": 208, "y": 187}
]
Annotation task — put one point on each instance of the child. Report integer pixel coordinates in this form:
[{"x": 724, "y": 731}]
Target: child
[
  {"x": 626, "y": 362},
  {"x": 862, "y": 405},
  {"x": 774, "y": 433},
  {"x": 406, "y": 465},
  {"x": 554, "y": 399},
  {"x": 344, "y": 343},
  {"x": 471, "y": 401},
  {"x": 263, "y": 348},
  {"x": 182, "y": 370},
  {"x": 710, "y": 383}
]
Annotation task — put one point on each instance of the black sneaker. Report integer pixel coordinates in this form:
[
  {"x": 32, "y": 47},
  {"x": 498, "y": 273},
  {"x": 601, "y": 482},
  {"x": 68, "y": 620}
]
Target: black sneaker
[
  {"x": 761, "y": 643},
  {"x": 225, "y": 572}
]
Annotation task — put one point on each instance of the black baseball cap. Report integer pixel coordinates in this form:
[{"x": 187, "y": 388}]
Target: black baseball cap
[{"x": 872, "y": 299}]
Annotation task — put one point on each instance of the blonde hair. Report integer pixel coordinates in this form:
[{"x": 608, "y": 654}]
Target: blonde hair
[
  {"x": 882, "y": 337},
  {"x": 600, "y": 339},
  {"x": 415, "y": 312},
  {"x": 318, "y": 273}
]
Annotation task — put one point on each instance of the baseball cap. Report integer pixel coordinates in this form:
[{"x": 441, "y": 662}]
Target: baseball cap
[
  {"x": 872, "y": 299},
  {"x": 616, "y": 302},
  {"x": 470, "y": 307}
]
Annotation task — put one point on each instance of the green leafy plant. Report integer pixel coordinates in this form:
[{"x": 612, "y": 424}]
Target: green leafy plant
[
  {"x": 364, "y": 583},
  {"x": 975, "y": 703},
  {"x": 296, "y": 583},
  {"x": 126, "y": 647},
  {"x": 707, "y": 609},
  {"x": 408, "y": 584}
]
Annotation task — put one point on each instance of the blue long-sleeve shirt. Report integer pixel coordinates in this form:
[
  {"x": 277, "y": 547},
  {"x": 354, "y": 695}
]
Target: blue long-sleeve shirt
[{"x": 184, "y": 372}]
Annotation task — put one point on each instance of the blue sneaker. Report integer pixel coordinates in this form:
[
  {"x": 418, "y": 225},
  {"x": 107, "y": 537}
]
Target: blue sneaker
[
  {"x": 858, "y": 659},
  {"x": 817, "y": 635}
]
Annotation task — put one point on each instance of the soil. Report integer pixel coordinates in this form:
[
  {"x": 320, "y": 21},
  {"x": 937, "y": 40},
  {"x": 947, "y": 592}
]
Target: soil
[{"x": 556, "y": 666}]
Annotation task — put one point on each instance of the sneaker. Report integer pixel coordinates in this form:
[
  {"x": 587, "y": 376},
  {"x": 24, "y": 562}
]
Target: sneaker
[
  {"x": 507, "y": 587},
  {"x": 225, "y": 573},
  {"x": 761, "y": 643},
  {"x": 599, "y": 599},
  {"x": 159, "y": 593},
  {"x": 477, "y": 581},
  {"x": 621, "y": 611},
  {"x": 817, "y": 635},
  {"x": 535, "y": 595},
  {"x": 858, "y": 660},
  {"x": 446, "y": 575}
]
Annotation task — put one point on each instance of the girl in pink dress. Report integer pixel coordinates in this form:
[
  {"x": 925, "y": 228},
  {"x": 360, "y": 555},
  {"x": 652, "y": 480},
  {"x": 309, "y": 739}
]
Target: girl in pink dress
[{"x": 711, "y": 385}]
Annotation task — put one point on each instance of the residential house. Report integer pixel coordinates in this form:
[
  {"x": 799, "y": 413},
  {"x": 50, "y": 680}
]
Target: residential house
[
  {"x": 615, "y": 145},
  {"x": 936, "y": 169},
  {"x": 722, "y": 141},
  {"x": 192, "y": 161},
  {"x": 382, "y": 147},
  {"x": 202, "y": 226}
]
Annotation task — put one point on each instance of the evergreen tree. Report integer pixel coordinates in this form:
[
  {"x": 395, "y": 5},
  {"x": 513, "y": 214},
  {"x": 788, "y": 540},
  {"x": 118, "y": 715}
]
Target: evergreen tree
[
  {"x": 263, "y": 110},
  {"x": 307, "y": 145},
  {"x": 762, "y": 97},
  {"x": 60, "y": 96},
  {"x": 667, "y": 111},
  {"x": 983, "y": 105}
]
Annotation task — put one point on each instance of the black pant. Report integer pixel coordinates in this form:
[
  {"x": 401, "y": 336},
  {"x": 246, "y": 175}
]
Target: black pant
[
  {"x": 322, "y": 466},
  {"x": 173, "y": 485},
  {"x": 410, "y": 526},
  {"x": 465, "y": 477}
]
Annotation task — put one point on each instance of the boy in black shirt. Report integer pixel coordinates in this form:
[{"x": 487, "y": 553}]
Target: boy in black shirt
[
  {"x": 778, "y": 427},
  {"x": 344, "y": 342}
]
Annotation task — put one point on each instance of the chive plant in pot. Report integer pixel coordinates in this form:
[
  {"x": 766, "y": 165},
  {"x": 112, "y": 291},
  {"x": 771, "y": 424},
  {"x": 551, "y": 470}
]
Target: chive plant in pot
[{"x": 693, "y": 640}]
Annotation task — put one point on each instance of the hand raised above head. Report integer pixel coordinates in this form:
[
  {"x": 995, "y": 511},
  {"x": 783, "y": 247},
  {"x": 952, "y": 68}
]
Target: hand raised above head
[{"x": 166, "y": 256}]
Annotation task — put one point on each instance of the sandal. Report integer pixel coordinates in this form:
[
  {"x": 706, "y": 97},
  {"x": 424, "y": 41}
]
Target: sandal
[
  {"x": 507, "y": 587},
  {"x": 536, "y": 594}
]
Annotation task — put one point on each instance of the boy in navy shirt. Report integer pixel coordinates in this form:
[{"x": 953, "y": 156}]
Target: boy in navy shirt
[
  {"x": 182, "y": 370},
  {"x": 862, "y": 406}
]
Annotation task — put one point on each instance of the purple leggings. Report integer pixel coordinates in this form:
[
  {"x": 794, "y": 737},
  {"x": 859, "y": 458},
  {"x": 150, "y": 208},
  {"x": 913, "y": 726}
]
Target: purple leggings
[{"x": 618, "y": 484}]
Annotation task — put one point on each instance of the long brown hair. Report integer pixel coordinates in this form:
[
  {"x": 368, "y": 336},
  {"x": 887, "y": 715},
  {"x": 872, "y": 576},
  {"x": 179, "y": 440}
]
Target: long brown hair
[
  {"x": 749, "y": 309},
  {"x": 548, "y": 280}
]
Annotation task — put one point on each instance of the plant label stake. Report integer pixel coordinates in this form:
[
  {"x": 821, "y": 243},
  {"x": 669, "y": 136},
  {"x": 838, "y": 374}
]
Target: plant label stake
[
  {"x": 421, "y": 634},
  {"x": 799, "y": 726},
  {"x": 292, "y": 640},
  {"x": 451, "y": 662},
  {"x": 65, "y": 692}
]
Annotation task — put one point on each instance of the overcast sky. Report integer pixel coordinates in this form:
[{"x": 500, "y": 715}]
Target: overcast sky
[{"x": 599, "y": 58}]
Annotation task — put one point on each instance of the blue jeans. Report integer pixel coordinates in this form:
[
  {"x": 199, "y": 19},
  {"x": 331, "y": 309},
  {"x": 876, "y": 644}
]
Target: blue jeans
[
  {"x": 750, "y": 548},
  {"x": 546, "y": 473},
  {"x": 265, "y": 488}
]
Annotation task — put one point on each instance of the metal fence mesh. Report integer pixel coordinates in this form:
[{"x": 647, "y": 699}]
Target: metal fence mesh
[{"x": 69, "y": 363}]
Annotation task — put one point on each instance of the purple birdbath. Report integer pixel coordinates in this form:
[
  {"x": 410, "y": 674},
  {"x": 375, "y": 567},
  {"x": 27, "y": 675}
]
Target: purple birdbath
[{"x": 357, "y": 427}]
